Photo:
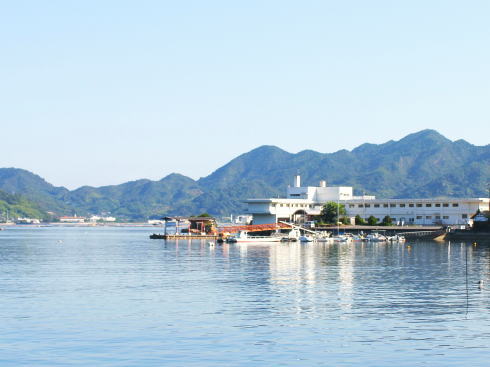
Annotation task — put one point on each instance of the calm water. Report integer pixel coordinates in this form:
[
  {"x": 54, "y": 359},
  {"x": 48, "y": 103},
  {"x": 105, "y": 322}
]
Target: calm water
[{"x": 112, "y": 297}]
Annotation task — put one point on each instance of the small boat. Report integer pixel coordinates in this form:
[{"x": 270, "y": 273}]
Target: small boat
[
  {"x": 396, "y": 238},
  {"x": 306, "y": 238},
  {"x": 244, "y": 237},
  {"x": 376, "y": 237},
  {"x": 342, "y": 238}
]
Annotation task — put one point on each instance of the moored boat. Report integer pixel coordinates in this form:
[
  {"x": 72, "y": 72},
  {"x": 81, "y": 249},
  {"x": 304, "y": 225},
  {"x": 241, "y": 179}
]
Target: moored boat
[{"x": 243, "y": 236}]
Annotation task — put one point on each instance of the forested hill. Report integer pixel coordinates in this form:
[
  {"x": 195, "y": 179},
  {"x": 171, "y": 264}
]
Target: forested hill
[
  {"x": 17, "y": 206},
  {"x": 423, "y": 164}
]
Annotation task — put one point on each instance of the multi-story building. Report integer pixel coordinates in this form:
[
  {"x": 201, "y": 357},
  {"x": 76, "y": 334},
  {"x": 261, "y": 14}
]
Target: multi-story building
[{"x": 303, "y": 203}]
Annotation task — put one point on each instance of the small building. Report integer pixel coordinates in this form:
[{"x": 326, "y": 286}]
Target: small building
[
  {"x": 96, "y": 218},
  {"x": 74, "y": 219},
  {"x": 202, "y": 225},
  {"x": 241, "y": 219},
  {"x": 303, "y": 204},
  {"x": 27, "y": 221}
]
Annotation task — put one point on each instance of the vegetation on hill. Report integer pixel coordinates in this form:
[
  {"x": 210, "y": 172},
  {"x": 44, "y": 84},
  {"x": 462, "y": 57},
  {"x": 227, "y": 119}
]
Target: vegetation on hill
[
  {"x": 424, "y": 164},
  {"x": 16, "y": 206}
]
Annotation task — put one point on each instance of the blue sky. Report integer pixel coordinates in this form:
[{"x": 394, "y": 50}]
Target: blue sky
[{"x": 101, "y": 92}]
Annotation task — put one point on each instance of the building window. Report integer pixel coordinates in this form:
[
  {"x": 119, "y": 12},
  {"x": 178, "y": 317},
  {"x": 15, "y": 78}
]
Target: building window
[
  {"x": 428, "y": 205},
  {"x": 360, "y": 206},
  {"x": 464, "y": 216},
  {"x": 411, "y": 219},
  {"x": 419, "y": 217},
  {"x": 392, "y": 205},
  {"x": 393, "y": 219},
  {"x": 455, "y": 204},
  {"x": 438, "y": 217},
  {"x": 445, "y": 205},
  {"x": 368, "y": 205},
  {"x": 438, "y": 205},
  {"x": 402, "y": 205},
  {"x": 376, "y": 205},
  {"x": 445, "y": 217},
  {"x": 385, "y": 205},
  {"x": 352, "y": 206},
  {"x": 419, "y": 205},
  {"x": 411, "y": 205},
  {"x": 295, "y": 195},
  {"x": 428, "y": 217}
]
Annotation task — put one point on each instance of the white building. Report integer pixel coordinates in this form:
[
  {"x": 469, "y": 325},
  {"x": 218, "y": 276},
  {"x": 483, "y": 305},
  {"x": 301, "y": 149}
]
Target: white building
[
  {"x": 74, "y": 219},
  {"x": 302, "y": 203},
  {"x": 97, "y": 218}
]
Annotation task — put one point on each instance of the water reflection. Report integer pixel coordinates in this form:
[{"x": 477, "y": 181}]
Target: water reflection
[
  {"x": 389, "y": 280},
  {"x": 186, "y": 303}
]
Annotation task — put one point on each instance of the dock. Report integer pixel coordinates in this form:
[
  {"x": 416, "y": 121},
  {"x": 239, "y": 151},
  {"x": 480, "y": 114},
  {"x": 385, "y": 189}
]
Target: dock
[{"x": 156, "y": 236}]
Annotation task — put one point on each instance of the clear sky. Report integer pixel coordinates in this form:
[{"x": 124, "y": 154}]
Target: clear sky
[{"x": 102, "y": 92}]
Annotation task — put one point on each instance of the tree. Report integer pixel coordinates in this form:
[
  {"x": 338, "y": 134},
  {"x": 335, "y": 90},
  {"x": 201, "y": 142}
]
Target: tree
[
  {"x": 202, "y": 215},
  {"x": 330, "y": 210},
  {"x": 372, "y": 221},
  {"x": 345, "y": 220},
  {"x": 359, "y": 221},
  {"x": 387, "y": 221}
]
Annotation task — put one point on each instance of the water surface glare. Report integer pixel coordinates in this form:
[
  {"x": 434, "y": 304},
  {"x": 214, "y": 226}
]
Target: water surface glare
[{"x": 113, "y": 297}]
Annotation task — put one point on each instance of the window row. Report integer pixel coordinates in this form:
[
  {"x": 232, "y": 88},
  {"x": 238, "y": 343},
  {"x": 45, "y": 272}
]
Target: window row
[{"x": 410, "y": 205}]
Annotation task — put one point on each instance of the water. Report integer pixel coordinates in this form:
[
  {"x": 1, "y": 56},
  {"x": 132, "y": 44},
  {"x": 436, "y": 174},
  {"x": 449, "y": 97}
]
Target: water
[{"x": 113, "y": 297}]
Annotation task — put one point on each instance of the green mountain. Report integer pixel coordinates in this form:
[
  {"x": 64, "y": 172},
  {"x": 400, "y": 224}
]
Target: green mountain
[
  {"x": 423, "y": 164},
  {"x": 16, "y": 206}
]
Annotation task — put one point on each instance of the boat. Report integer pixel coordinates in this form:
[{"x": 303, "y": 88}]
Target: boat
[
  {"x": 376, "y": 237},
  {"x": 306, "y": 238},
  {"x": 396, "y": 238},
  {"x": 244, "y": 237},
  {"x": 293, "y": 236},
  {"x": 341, "y": 238}
]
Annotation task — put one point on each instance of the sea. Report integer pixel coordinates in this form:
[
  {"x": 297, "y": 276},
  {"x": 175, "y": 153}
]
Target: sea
[{"x": 108, "y": 296}]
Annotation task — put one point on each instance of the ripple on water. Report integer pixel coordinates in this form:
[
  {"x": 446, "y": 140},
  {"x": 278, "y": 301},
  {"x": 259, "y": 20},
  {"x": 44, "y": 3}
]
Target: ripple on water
[{"x": 111, "y": 296}]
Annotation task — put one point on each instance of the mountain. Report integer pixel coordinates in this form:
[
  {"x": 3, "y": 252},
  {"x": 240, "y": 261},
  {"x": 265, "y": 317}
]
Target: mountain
[
  {"x": 423, "y": 164},
  {"x": 17, "y": 206}
]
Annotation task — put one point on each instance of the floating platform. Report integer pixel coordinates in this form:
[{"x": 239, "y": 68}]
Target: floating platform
[{"x": 156, "y": 236}]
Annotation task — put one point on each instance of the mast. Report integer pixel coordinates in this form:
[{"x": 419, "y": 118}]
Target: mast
[{"x": 338, "y": 217}]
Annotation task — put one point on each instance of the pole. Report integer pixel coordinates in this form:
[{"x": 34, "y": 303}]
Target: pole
[
  {"x": 467, "y": 294},
  {"x": 338, "y": 217},
  {"x": 488, "y": 186}
]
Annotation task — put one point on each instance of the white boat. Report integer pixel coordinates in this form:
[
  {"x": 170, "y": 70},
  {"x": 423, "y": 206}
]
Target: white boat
[
  {"x": 396, "y": 238},
  {"x": 376, "y": 237},
  {"x": 342, "y": 238},
  {"x": 306, "y": 238},
  {"x": 244, "y": 237},
  {"x": 293, "y": 235}
]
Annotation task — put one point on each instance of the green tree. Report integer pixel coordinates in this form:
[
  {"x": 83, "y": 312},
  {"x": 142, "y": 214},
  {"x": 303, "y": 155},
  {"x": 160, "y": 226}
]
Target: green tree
[
  {"x": 387, "y": 221},
  {"x": 372, "y": 221},
  {"x": 345, "y": 220},
  {"x": 330, "y": 210},
  {"x": 360, "y": 221}
]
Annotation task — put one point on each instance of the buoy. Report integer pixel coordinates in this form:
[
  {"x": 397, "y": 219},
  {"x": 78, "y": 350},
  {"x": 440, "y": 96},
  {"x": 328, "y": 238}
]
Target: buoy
[{"x": 211, "y": 244}]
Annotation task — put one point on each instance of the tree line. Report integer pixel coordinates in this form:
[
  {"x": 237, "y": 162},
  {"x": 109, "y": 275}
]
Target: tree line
[{"x": 333, "y": 213}]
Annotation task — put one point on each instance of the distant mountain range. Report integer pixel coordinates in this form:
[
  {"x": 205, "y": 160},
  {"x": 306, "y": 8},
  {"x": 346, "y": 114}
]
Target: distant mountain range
[{"x": 423, "y": 164}]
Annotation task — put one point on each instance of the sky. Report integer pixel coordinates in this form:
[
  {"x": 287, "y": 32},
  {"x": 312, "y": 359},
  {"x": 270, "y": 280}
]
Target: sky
[{"x": 102, "y": 92}]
